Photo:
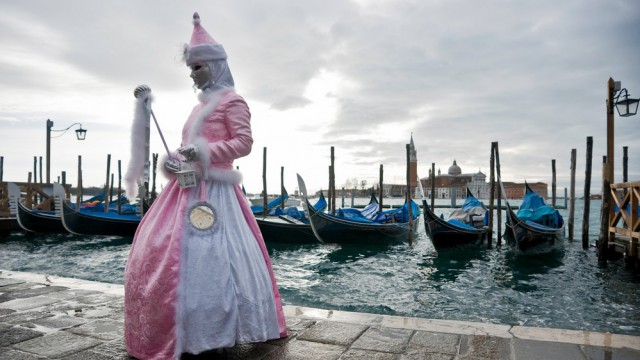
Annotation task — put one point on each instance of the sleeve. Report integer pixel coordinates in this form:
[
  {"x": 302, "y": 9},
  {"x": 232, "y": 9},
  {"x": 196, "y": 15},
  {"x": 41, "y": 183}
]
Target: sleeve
[{"x": 237, "y": 119}]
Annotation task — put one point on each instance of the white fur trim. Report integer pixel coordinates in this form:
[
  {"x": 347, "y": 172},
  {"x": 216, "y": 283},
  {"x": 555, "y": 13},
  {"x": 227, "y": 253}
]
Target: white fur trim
[
  {"x": 229, "y": 176},
  {"x": 139, "y": 142}
]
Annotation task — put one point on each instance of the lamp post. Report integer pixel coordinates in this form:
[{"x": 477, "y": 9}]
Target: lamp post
[
  {"x": 626, "y": 106},
  {"x": 80, "y": 135}
]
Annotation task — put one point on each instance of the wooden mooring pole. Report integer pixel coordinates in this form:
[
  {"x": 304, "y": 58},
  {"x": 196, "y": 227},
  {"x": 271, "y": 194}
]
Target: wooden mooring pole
[
  {"x": 79, "y": 185},
  {"x": 380, "y": 187},
  {"x": 625, "y": 166},
  {"x": 433, "y": 186},
  {"x": 587, "y": 194},
  {"x": 409, "y": 208},
  {"x": 265, "y": 201},
  {"x": 553, "y": 183},
  {"x": 119, "y": 186},
  {"x": 492, "y": 192},
  {"x": 572, "y": 196},
  {"x": 499, "y": 196},
  {"x": 282, "y": 187},
  {"x": 603, "y": 238},
  {"x": 106, "y": 185},
  {"x": 333, "y": 181}
]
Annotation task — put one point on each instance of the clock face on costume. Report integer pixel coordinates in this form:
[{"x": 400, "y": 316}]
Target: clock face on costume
[{"x": 202, "y": 216}]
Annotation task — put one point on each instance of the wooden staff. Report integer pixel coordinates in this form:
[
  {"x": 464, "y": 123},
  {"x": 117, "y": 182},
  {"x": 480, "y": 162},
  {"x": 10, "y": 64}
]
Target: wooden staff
[
  {"x": 499, "y": 212},
  {"x": 333, "y": 182},
  {"x": 433, "y": 186}
]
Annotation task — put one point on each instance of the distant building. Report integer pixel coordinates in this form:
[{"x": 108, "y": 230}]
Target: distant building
[{"x": 455, "y": 183}]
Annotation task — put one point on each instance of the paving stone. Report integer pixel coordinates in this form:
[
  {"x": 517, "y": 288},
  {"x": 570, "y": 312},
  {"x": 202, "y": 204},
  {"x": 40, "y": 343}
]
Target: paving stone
[
  {"x": 598, "y": 353},
  {"x": 114, "y": 348},
  {"x": 103, "y": 329},
  {"x": 332, "y": 332},
  {"x": 484, "y": 347},
  {"x": 16, "y": 318},
  {"x": 28, "y": 303},
  {"x": 31, "y": 292},
  {"x": 534, "y": 350},
  {"x": 57, "y": 345},
  {"x": 306, "y": 350},
  {"x": 59, "y": 322},
  {"x": 10, "y": 335},
  {"x": 5, "y": 282},
  {"x": 384, "y": 339},
  {"x": 431, "y": 342},
  {"x": 420, "y": 355},
  {"x": 359, "y": 354},
  {"x": 11, "y": 354},
  {"x": 4, "y": 312},
  {"x": 73, "y": 293},
  {"x": 239, "y": 352}
]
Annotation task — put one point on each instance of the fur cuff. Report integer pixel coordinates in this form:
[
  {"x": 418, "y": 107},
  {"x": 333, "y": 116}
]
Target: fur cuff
[{"x": 229, "y": 176}]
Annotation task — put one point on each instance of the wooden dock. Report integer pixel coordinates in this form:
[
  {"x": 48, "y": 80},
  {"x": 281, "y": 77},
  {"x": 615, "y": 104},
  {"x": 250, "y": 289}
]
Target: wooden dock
[{"x": 624, "y": 225}]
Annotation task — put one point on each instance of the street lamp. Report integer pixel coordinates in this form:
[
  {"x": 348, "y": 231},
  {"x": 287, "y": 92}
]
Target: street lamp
[
  {"x": 81, "y": 134},
  {"x": 627, "y": 106}
]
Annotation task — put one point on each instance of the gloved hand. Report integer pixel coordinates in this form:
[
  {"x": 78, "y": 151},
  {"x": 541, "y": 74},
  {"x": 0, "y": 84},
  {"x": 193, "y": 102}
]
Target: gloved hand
[
  {"x": 189, "y": 152},
  {"x": 172, "y": 165}
]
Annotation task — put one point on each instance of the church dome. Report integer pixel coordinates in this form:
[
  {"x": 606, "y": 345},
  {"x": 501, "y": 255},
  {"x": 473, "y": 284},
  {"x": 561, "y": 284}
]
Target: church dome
[{"x": 455, "y": 169}]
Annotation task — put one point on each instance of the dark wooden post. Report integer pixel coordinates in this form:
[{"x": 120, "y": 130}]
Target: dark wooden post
[
  {"x": 603, "y": 239},
  {"x": 553, "y": 183},
  {"x": 265, "y": 201},
  {"x": 282, "y": 187},
  {"x": 433, "y": 186},
  {"x": 1, "y": 168},
  {"x": 120, "y": 185},
  {"x": 587, "y": 195},
  {"x": 499, "y": 196},
  {"x": 79, "y": 185},
  {"x": 381, "y": 188},
  {"x": 625, "y": 166},
  {"x": 409, "y": 206},
  {"x": 35, "y": 172},
  {"x": 572, "y": 196},
  {"x": 329, "y": 189},
  {"x": 154, "y": 194},
  {"x": 111, "y": 188},
  {"x": 40, "y": 168},
  {"x": 333, "y": 182},
  {"x": 106, "y": 186},
  {"x": 492, "y": 192}
]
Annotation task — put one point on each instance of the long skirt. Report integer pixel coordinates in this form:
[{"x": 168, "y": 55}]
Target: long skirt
[{"x": 187, "y": 289}]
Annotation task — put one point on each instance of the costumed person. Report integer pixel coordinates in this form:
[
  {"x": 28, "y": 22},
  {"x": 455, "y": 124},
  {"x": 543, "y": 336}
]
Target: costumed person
[{"x": 198, "y": 276}]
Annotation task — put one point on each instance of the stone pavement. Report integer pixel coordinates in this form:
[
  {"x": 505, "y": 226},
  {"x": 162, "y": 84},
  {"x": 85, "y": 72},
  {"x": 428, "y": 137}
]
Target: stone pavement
[{"x": 48, "y": 317}]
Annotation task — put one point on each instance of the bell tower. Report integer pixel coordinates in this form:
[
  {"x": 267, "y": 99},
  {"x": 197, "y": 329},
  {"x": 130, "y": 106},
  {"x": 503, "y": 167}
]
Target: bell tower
[{"x": 413, "y": 165}]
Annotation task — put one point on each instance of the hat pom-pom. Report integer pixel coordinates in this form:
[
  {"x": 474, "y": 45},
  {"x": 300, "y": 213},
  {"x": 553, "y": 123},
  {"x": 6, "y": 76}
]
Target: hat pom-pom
[{"x": 196, "y": 18}]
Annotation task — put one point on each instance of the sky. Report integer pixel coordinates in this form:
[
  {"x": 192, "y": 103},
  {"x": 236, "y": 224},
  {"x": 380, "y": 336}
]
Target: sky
[{"x": 361, "y": 76}]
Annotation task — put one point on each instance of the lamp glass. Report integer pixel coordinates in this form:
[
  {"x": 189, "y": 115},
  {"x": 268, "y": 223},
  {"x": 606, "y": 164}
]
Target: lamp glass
[
  {"x": 81, "y": 134},
  {"x": 627, "y": 106}
]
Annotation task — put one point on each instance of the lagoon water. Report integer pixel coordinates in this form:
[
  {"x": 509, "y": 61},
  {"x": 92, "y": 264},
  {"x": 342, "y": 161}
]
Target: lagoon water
[{"x": 567, "y": 290}]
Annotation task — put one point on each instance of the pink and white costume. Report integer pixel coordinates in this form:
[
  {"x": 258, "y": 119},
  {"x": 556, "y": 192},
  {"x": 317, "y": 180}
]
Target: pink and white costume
[{"x": 189, "y": 290}]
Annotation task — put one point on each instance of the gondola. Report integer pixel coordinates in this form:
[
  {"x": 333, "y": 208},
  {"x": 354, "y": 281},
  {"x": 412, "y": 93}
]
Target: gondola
[
  {"x": 456, "y": 231},
  {"x": 259, "y": 209},
  {"x": 94, "y": 223},
  {"x": 282, "y": 227},
  {"x": 348, "y": 229},
  {"x": 39, "y": 221},
  {"x": 537, "y": 228}
]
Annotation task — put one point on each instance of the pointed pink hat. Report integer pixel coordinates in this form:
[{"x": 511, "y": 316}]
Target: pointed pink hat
[{"x": 202, "y": 46}]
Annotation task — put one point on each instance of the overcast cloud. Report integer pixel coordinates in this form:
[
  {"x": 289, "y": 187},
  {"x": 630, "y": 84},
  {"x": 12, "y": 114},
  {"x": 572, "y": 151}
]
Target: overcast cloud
[{"x": 361, "y": 76}]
